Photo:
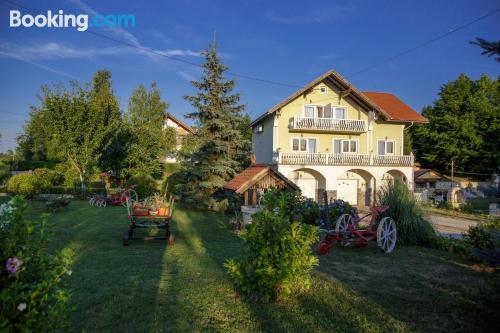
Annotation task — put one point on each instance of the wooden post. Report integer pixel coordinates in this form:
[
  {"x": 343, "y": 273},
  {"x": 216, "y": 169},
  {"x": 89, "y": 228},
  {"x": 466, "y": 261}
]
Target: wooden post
[
  {"x": 254, "y": 197},
  {"x": 246, "y": 198}
]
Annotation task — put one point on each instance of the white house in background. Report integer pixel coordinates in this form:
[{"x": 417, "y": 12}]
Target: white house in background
[
  {"x": 181, "y": 130},
  {"x": 331, "y": 136}
]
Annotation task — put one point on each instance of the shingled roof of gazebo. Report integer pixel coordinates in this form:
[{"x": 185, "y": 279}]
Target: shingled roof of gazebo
[{"x": 251, "y": 175}]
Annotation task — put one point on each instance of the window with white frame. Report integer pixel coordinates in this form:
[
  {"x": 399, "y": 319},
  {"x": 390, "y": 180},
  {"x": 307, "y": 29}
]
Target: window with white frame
[
  {"x": 318, "y": 111},
  {"x": 340, "y": 112},
  {"x": 323, "y": 90},
  {"x": 345, "y": 146},
  {"x": 309, "y": 111},
  {"x": 385, "y": 147},
  {"x": 305, "y": 145}
]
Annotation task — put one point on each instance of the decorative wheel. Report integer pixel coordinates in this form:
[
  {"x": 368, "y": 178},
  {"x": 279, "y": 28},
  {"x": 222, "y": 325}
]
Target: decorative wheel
[
  {"x": 131, "y": 195},
  {"x": 344, "y": 223},
  {"x": 387, "y": 235}
]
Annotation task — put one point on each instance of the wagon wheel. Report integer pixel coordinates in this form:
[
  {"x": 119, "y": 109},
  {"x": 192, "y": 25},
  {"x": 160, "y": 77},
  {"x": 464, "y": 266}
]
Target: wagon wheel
[
  {"x": 387, "y": 235},
  {"x": 131, "y": 195},
  {"x": 344, "y": 223}
]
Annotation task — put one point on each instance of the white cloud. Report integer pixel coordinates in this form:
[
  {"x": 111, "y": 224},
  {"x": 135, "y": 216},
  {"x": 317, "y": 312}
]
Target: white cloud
[
  {"x": 53, "y": 50},
  {"x": 133, "y": 40}
]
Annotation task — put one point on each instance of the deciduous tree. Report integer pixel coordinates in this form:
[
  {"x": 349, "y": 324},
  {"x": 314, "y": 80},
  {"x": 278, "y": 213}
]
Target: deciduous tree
[{"x": 464, "y": 127}]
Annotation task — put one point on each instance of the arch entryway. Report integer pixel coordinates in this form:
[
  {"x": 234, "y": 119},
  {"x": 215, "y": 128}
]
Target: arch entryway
[
  {"x": 356, "y": 186},
  {"x": 393, "y": 175},
  {"x": 311, "y": 182}
]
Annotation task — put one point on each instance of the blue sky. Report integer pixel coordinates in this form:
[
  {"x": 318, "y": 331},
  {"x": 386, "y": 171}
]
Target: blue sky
[{"x": 286, "y": 41}]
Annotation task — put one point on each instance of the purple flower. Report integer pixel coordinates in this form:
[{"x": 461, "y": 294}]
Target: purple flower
[{"x": 13, "y": 265}]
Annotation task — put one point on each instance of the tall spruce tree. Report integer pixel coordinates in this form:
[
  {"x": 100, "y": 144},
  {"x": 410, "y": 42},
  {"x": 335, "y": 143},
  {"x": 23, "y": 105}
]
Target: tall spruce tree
[{"x": 222, "y": 145}]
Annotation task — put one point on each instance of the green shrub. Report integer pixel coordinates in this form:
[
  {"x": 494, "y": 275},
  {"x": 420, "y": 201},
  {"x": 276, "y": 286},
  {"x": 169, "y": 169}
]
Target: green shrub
[
  {"x": 293, "y": 205},
  {"x": 146, "y": 185},
  {"x": 412, "y": 227},
  {"x": 22, "y": 184},
  {"x": 481, "y": 235},
  {"x": 467, "y": 208},
  {"x": 279, "y": 255},
  {"x": 4, "y": 172},
  {"x": 445, "y": 204},
  {"x": 453, "y": 245},
  {"x": 218, "y": 206},
  {"x": 31, "y": 296},
  {"x": 45, "y": 179}
]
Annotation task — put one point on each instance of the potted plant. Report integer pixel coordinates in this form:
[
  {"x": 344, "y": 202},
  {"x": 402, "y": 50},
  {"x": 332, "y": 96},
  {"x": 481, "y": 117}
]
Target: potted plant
[
  {"x": 163, "y": 208},
  {"x": 140, "y": 209}
]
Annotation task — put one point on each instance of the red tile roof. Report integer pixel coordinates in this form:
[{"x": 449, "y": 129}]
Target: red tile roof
[
  {"x": 397, "y": 110},
  {"x": 244, "y": 176},
  {"x": 252, "y": 174}
]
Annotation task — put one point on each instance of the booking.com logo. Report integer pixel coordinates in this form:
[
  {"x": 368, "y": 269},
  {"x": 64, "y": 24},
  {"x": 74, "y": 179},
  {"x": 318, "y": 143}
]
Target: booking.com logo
[{"x": 60, "y": 20}]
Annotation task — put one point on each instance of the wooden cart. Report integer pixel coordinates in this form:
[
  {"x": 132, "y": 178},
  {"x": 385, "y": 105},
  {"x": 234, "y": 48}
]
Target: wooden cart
[{"x": 137, "y": 221}]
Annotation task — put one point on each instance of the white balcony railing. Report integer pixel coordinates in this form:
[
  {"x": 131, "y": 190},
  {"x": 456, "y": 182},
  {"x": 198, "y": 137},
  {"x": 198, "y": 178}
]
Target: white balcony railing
[
  {"x": 328, "y": 124},
  {"x": 343, "y": 159}
]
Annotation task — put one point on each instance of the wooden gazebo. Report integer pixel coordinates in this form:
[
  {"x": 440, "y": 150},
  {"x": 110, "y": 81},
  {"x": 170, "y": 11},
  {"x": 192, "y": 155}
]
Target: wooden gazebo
[{"x": 258, "y": 178}]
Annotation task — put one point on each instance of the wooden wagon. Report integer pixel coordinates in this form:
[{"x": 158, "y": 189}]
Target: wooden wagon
[{"x": 142, "y": 218}]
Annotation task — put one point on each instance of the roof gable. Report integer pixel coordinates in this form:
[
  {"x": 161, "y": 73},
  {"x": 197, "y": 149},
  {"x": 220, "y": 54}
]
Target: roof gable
[
  {"x": 178, "y": 122},
  {"x": 251, "y": 175},
  {"x": 390, "y": 108}
]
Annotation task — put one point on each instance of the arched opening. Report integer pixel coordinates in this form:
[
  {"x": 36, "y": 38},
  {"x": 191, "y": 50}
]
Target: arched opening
[
  {"x": 311, "y": 182},
  {"x": 357, "y": 187},
  {"x": 393, "y": 175}
]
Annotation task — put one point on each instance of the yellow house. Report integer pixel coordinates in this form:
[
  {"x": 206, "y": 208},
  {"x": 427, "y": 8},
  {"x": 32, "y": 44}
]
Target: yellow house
[
  {"x": 181, "y": 130},
  {"x": 331, "y": 136}
]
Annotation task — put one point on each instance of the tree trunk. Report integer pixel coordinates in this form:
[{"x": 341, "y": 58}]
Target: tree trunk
[{"x": 82, "y": 184}]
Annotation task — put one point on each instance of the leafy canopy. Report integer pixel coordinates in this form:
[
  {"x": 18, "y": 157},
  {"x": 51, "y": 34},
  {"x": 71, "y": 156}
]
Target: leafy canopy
[
  {"x": 464, "y": 127},
  {"x": 149, "y": 141}
]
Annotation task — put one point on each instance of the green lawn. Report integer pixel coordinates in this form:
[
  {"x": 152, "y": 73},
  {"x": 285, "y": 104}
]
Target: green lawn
[{"x": 150, "y": 287}]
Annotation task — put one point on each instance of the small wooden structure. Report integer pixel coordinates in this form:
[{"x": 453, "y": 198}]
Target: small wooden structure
[{"x": 255, "y": 180}]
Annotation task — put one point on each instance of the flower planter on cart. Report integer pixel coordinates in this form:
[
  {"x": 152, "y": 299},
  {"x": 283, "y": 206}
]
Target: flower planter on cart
[{"x": 141, "y": 218}]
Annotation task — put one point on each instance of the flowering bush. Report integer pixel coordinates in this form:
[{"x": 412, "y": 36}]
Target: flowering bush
[
  {"x": 339, "y": 207},
  {"x": 31, "y": 298}
]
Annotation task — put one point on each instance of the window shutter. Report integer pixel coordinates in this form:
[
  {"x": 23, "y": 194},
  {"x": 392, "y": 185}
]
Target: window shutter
[
  {"x": 381, "y": 147},
  {"x": 390, "y": 147},
  {"x": 312, "y": 145},
  {"x": 337, "y": 146},
  {"x": 328, "y": 111}
]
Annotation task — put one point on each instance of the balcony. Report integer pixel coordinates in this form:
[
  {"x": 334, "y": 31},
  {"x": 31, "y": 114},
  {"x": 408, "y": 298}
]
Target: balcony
[
  {"x": 343, "y": 159},
  {"x": 327, "y": 125}
]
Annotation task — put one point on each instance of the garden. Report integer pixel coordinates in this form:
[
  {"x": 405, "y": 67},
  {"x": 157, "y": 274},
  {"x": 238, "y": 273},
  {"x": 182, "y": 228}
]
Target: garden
[
  {"x": 98, "y": 234},
  {"x": 264, "y": 277}
]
